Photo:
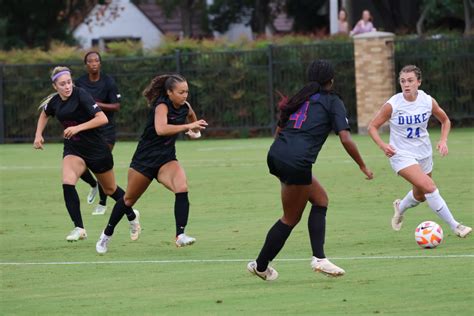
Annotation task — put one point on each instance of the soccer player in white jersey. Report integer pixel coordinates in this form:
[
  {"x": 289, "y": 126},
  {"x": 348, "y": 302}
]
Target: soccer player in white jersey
[{"x": 409, "y": 149}]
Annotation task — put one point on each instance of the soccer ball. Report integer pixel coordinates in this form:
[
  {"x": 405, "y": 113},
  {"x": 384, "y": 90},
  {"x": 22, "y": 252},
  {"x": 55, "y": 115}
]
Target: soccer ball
[{"x": 428, "y": 234}]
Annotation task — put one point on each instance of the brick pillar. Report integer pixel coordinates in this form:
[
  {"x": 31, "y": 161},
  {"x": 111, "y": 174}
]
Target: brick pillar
[{"x": 374, "y": 74}]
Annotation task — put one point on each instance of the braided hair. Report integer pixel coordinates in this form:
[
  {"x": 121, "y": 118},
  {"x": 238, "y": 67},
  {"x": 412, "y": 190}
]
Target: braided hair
[
  {"x": 159, "y": 85},
  {"x": 319, "y": 73}
]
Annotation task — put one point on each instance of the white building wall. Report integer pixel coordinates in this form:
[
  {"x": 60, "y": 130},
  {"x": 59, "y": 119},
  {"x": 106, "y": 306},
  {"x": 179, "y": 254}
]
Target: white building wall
[{"x": 121, "y": 19}]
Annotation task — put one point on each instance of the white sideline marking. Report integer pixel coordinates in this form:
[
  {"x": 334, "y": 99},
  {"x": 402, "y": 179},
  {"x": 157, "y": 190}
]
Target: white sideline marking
[{"x": 226, "y": 260}]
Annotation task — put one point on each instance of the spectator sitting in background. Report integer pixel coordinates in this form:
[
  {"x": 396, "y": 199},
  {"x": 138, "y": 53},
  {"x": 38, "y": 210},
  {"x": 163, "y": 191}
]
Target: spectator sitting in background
[
  {"x": 364, "y": 25},
  {"x": 342, "y": 24}
]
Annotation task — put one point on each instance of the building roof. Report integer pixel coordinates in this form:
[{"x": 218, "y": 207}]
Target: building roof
[{"x": 169, "y": 24}]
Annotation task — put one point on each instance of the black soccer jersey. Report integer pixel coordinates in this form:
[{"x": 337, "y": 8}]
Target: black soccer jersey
[
  {"x": 302, "y": 137},
  {"x": 77, "y": 109},
  {"x": 152, "y": 148},
  {"x": 104, "y": 90}
]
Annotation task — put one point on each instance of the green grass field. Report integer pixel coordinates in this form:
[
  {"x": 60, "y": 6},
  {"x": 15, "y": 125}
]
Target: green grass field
[{"x": 234, "y": 201}]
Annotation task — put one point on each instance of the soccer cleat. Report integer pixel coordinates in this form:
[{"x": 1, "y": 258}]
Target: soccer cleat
[
  {"x": 327, "y": 267},
  {"x": 184, "y": 240},
  {"x": 269, "y": 274},
  {"x": 76, "y": 234},
  {"x": 99, "y": 210},
  {"x": 101, "y": 245},
  {"x": 462, "y": 231},
  {"x": 397, "y": 219},
  {"x": 135, "y": 228},
  {"x": 92, "y": 194}
]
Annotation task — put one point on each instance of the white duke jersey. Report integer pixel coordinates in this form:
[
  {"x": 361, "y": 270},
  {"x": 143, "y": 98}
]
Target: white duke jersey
[{"x": 408, "y": 125}]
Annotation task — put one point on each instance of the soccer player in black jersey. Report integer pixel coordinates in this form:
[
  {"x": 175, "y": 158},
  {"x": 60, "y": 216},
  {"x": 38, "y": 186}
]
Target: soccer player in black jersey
[
  {"x": 105, "y": 93},
  {"x": 306, "y": 120},
  {"x": 84, "y": 145},
  {"x": 155, "y": 156}
]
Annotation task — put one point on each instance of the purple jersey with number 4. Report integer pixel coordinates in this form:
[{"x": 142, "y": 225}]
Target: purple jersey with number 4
[{"x": 302, "y": 137}]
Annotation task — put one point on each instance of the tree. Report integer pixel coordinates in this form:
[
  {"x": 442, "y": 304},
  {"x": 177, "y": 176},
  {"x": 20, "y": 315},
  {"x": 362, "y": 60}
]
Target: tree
[
  {"x": 259, "y": 14},
  {"x": 37, "y": 23},
  {"x": 444, "y": 14},
  {"x": 468, "y": 7},
  {"x": 307, "y": 14},
  {"x": 393, "y": 18}
]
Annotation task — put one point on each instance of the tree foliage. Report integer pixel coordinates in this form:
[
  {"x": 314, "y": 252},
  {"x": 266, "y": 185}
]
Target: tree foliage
[
  {"x": 444, "y": 14},
  {"x": 37, "y": 23},
  {"x": 307, "y": 14},
  {"x": 259, "y": 14}
]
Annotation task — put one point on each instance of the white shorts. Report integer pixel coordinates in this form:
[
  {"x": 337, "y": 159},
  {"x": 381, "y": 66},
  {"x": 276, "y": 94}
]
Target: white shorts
[{"x": 401, "y": 162}]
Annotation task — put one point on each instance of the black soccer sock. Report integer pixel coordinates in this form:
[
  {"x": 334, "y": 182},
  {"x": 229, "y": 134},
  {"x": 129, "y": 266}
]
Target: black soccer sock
[
  {"x": 117, "y": 213},
  {"x": 73, "y": 204},
  {"x": 276, "y": 238},
  {"x": 103, "y": 196},
  {"x": 89, "y": 178},
  {"x": 181, "y": 211},
  {"x": 317, "y": 229},
  {"x": 118, "y": 195}
]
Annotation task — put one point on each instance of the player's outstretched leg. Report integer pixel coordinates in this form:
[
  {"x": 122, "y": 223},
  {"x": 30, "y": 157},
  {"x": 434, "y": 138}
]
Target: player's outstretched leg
[{"x": 181, "y": 214}]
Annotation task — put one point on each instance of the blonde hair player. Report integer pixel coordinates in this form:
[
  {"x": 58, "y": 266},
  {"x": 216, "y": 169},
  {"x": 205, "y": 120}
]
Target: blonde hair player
[
  {"x": 84, "y": 146},
  {"x": 410, "y": 151}
]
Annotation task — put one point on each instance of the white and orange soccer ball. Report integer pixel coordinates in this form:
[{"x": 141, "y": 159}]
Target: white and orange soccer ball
[{"x": 428, "y": 234}]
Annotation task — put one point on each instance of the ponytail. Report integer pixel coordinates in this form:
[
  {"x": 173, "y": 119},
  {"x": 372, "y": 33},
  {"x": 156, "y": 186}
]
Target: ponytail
[
  {"x": 294, "y": 103},
  {"x": 319, "y": 73},
  {"x": 159, "y": 85},
  {"x": 46, "y": 100}
]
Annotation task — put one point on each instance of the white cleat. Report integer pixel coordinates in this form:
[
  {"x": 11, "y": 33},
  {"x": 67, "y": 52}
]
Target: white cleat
[
  {"x": 76, "y": 234},
  {"x": 397, "y": 219},
  {"x": 184, "y": 240},
  {"x": 327, "y": 267},
  {"x": 99, "y": 209},
  {"x": 101, "y": 245},
  {"x": 92, "y": 194},
  {"x": 462, "y": 231},
  {"x": 268, "y": 275},
  {"x": 135, "y": 228}
]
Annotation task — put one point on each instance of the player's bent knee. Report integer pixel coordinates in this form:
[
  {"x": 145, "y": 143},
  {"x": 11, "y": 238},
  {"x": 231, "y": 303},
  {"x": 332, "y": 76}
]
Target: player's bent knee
[
  {"x": 291, "y": 221},
  {"x": 428, "y": 187},
  {"x": 180, "y": 188},
  {"x": 109, "y": 190},
  {"x": 129, "y": 201}
]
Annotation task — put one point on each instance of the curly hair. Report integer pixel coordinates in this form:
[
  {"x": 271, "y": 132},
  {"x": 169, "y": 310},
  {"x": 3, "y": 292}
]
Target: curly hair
[{"x": 159, "y": 85}]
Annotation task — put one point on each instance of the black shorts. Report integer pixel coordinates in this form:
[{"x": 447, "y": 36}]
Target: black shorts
[
  {"x": 109, "y": 134},
  {"x": 102, "y": 165},
  {"x": 150, "y": 172},
  {"x": 288, "y": 174}
]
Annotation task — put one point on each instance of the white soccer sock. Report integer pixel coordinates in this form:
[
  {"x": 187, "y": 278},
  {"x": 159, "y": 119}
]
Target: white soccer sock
[
  {"x": 408, "y": 201},
  {"x": 439, "y": 206}
]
